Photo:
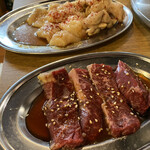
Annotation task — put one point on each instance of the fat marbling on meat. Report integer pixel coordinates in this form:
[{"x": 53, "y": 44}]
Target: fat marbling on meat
[
  {"x": 132, "y": 88},
  {"x": 61, "y": 110},
  {"x": 119, "y": 117},
  {"x": 89, "y": 104}
]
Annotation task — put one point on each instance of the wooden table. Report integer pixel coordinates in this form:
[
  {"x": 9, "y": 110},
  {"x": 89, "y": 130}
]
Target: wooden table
[{"x": 136, "y": 40}]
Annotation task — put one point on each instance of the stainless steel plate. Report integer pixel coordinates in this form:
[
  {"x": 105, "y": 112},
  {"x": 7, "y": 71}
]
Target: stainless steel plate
[
  {"x": 12, "y": 20},
  {"x": 16, "y": 102},
  {"x": 142, "y": 9}
]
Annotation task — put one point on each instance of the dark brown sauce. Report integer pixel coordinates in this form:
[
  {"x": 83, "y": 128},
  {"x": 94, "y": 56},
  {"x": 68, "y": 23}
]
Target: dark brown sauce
[
  {"x": 36, "y": 120},
  {"x": 25, "y": 34}
]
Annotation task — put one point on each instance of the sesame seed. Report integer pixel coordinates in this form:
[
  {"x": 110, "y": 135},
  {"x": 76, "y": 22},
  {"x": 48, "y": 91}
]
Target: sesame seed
[
  {"x": 115, "y": 103},
  {"x": 84, "y": 105},
  {"x": 84, "y": 75},
  {"x": 131, "y": 113},
  {"x": 127, "y": 73},
  {"x": 57, "y": 105},
  {"x": 97, "y": 74},
  {"x": 100, "y": 129},
  {"x": 58, "y": 109},
  {"x": 76, "y": 106},
  {"x": 121, "y": 100},
  {"x": 66, "y": 115},
  {"x": 60, "y": 101},
  {"x": 103, "y": 66},
  {"x": 107, "y": 129},
  {"x": 112, "y": 111},
  {"x": 45, "y": 108},
  {"x": 108, "y": 88},
  {"x": 118, "y": 93},
  {"x": 87, "y": 102},
  {"x": 78, "y": 118},
  {"x": 54, "y": 123},
  {"x": 137, "y": 64},
  {"x": 65, "y": 96},
  {"x": 52, "y": 120},
  {"x": 108, "y": 72},
  {"x": 84, "y": 95},
  {"x": 44, "y": 114},
  {"x": 91, "y": 89},
  {"x": 96, "y": 120},
  {"x": 46, "y": 125},
  {"x": 70, "y": 66},
  {"x": 117, "y": 107},
  {"x": 102, "y": 69},
  {"x": 72, "y": 99},
  {"x": 62, "y": 78},
  {"x": 112, "y": 91},
  {"x": 112, "y": 96},
  {"x": 55, "y": 100},
  {"x": 128, "y": 82},
  {"x": 97, "y": 93},
  {"x": 90, "y": 121},
  {"x": 122, "y": 86},
  {"x": 132, "y": 90},
  {"x": 69, "y": 106},
  {"x": 91, "y": 96}
]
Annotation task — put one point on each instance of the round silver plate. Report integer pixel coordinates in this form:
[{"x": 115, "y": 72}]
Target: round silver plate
[
  {"x": 16, "y": 102},
  {"x": 142, "y": 9},
  {"x": 12, "y": 20}
]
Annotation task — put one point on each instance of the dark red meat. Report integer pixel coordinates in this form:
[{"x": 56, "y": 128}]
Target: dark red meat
[
  {"x": 89, "y": 104},
  {"x": 119, "y": 117},
  {"x": 132, "y": 88},
  {"x": 61, "y": 110}
]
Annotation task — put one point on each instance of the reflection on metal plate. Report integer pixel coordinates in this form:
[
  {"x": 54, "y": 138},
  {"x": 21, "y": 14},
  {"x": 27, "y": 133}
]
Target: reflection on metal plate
[
  {"x": 142, "y": 9},
  {"x": 16, "y": 102},
  {"x": 11, "y": 21}
]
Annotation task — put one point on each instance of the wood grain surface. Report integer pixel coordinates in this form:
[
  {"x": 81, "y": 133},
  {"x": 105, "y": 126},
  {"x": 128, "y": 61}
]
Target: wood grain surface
[{"x": 136, "y": 40}]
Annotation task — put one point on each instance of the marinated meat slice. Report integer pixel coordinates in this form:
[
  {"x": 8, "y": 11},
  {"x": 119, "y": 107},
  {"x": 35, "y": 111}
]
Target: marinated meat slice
[
  {"x": 119, "y": 117},
  {"x": 61, "y": 110},
  {"x": 132, "y": 88},
  {"x": 89, "y": 104}
]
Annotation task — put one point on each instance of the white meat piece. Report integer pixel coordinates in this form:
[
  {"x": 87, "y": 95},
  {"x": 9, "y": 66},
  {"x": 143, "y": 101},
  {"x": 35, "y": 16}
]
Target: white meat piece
[
  {"x": 47, "y": 30},
  {"x": 64, "y": 11},
  {"x": 63, "y": 38},
  {"x": 53, "y": 6},
  {"x": 116, "y": 9},
  {"x": 94, "y": 18},
  {"x": 37, "y": 17},
  {"x": 108, "y": 20},
  {"x": 74, "y": 25}
]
